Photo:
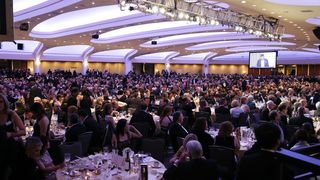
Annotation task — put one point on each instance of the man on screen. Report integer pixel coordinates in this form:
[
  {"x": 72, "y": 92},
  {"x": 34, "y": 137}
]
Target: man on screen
[{"x": 262, "y": 62}]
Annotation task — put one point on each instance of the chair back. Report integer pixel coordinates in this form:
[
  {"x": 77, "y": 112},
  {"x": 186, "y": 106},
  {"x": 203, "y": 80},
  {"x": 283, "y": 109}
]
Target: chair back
[
  {"x": 143, "y": 128},
  {"x": 220, "y": 118},
  {"x": 154, "y": 146},
  {"x": 223, "y": 156},
  {"x": 74, "y": 148},
  {"x": 291, "y": 129},
  {"x": 180, "y": 141},
  {"x": 85, "y": 139},
  {"x": 203, "y": 114},
  {"x": 216, "y": 125},
  {"x": 243, "y": 119}
]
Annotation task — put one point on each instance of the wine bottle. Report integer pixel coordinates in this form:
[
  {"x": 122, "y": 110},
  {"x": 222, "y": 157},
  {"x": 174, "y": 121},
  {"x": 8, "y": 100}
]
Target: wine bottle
[{"x": 127, "y": 162}]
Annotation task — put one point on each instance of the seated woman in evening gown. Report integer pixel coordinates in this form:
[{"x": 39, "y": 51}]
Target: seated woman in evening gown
[{"x": 124, "y": 134}]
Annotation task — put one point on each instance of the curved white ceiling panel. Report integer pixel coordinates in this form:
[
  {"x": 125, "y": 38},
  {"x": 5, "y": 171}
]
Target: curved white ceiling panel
[
  {"x": 88, "y": 20},
  {"x": 284, "y": 57},
  {"x": 255, "y": 48},
  {"x": 312, "y": 50},
  {"x": 199, "y": 58},
  {"x": 24, "y": 9},
  {"x": 67, "y": 53},
  {"x": 160, "y": 57},
  {"x": 197, "y": 38},
  {"x": 117, "y": 55},
  {"x": 9, "y": 50},
  {"x": 153, "y": 30},
  {"x": 227, "y": 44},
  {"x": 296, "y": 2},
  {"x": 314, "y": 21}
]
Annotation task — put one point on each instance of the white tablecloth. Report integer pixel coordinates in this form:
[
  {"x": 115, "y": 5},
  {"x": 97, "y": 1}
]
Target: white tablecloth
[{"x": 99, "y": 166}]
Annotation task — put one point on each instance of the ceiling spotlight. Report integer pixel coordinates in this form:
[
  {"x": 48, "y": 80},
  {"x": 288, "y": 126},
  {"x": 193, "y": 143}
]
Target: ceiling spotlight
[
  {"x": 243, "y": 2},
  {"x": 250, "y": 31}
]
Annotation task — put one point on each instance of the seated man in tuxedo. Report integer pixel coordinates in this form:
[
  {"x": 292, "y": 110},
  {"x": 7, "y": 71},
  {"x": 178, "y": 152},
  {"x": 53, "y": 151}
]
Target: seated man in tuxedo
[
  {"x": 266, "y": 110},
  {"x": 196, "y": 168},
  {"x": 301, "y": 118},
  {"x": 262, "y": 62},
  {"x": 75, "y": 129},
  {"x": 263, "y": 164},
  {"x": 177, "y": 130},
  {"x": 143, "y": 116}
]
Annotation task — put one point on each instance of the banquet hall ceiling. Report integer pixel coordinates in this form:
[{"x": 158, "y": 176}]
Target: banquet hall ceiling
[{"x": 293, "y": 17}]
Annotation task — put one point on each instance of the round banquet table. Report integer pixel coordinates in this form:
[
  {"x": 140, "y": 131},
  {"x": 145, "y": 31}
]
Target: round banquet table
[{"x": 101, "y": 167}]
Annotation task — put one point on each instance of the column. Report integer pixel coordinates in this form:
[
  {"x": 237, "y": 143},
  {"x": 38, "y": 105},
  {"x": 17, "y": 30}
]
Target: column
[
  {"x": 36, "y": 65},
  {"x": 206, "y": 67},
  {"x": 85, "y": 65},
  {"x": 127, "y": 66},
  {"x": 167, "y": 66}
]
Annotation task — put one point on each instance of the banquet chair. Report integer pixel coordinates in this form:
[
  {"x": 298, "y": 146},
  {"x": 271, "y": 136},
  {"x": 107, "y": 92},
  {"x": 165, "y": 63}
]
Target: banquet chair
[
  {"x": 143, "y": 128},
  {"x": 74, "y": 148},
  {"x": 225, "y": 157},
  {"x": 216, "y": 125},
  {"x": 291, "y": 129},
  {"x": 154, "y": 146},
  {"x": 85, "y": 139},
  {"x": 204, "y": 115},
  {"x": 222, "y": 117},
  {"x": 180, "y": 141}
]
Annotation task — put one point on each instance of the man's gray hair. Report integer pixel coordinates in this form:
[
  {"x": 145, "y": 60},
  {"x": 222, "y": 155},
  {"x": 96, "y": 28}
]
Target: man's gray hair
[{"x": 195, "y": 149}]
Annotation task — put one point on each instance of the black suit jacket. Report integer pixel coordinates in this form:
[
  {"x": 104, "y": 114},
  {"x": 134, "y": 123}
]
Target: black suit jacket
[
  {"x": 262, "y": 165},
  {"x": 176, "y": 130},
  {"x": 222, "y": 110},
  {"x": 265, "y": 114},
  {"x": 195, "y": 169},
  {"x": 206, "y": 140},
  {"x": 298, "y": 121},
  {"x": 144, "y": 117},
  {"x": 74, "y": 131}
]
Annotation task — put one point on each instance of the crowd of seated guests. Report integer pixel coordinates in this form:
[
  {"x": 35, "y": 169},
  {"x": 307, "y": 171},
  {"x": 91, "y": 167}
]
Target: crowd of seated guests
[{"x": 89, "y": 103}]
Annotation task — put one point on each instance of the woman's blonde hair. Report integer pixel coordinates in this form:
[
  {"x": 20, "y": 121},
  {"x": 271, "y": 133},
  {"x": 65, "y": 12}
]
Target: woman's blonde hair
[{"x": 188, "y": 138}]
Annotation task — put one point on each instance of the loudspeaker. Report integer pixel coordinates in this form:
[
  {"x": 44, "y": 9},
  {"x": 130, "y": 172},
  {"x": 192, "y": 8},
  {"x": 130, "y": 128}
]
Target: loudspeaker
[
  {"x": 24, "y": 27},
  {"x": 6, "y": 20},
  {"x": 131, "y": 8},
  {"x": 95, "y": 36},
  {"x": 20, "y": 46},
  {"x": 154, "y": 42},
  {"x": 316, "y": 32}
]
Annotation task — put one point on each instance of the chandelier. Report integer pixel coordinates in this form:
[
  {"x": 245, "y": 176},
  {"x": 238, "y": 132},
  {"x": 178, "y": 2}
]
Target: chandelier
[{"x": 209, "y": 14}]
